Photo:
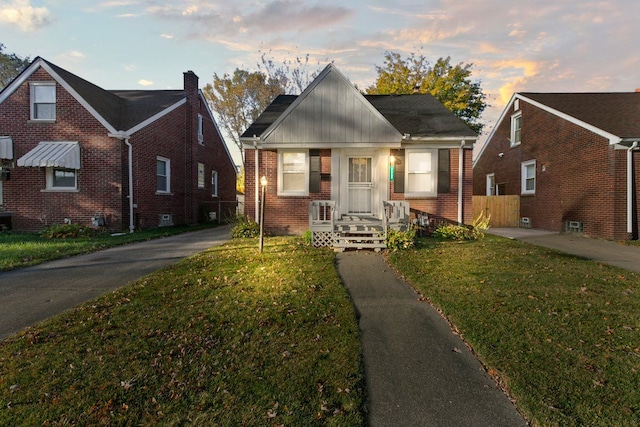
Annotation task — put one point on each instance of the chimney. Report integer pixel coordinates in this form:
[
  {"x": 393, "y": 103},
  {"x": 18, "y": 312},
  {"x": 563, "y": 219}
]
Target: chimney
[
  {"x": 638, "y": 90},
  {"x": 190, "y": 83}
]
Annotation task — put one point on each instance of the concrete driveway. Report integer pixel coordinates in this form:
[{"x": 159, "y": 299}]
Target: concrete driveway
[
  {"x": 33, "y": 294},
  {"x": 604, "y": 251}
]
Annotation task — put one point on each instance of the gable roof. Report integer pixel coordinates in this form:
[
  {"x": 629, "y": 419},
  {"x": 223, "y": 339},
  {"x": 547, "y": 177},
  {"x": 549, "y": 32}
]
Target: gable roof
[
  {"x": 613, "y": 115},
  {"x": 419, "y": 116},
  {"x": 117, "y": 110},
  {"x": 617, "y": 113}
]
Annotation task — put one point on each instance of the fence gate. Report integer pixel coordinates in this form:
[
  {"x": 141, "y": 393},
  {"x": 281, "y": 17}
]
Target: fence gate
[{"x": 504, "y": 210}]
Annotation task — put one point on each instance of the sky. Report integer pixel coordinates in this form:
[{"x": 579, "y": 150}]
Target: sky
[{"x": 514, "y": 45}]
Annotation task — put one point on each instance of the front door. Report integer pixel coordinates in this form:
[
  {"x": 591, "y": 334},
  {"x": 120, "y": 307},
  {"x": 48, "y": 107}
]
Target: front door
[{"x": 360, "y": 186}]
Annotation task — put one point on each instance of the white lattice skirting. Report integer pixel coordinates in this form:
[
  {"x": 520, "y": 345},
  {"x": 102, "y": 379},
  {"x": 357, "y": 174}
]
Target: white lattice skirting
[{"x": 322, "y": 238}]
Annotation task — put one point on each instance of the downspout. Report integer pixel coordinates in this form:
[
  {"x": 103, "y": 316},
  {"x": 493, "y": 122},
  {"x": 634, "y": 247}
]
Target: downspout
[
  {"x": 460, "y": 180},
  {"x": 630, "y": 193},
  {"x": 124, "y": 137}
]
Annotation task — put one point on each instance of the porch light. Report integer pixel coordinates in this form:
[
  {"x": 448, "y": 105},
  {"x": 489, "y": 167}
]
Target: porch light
[
  {"x": 392, "y": 162},
  {"x": 263, "y": 184}
]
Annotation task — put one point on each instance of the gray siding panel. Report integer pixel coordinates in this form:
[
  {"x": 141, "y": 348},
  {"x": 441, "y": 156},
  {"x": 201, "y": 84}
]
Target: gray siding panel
[{"x": 333, "y": 112}]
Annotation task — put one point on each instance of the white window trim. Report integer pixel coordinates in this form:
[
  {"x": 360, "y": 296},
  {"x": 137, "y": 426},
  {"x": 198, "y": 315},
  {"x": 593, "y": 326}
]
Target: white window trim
[
  {"x": 523, "y": 177},
  {"x": 32, "y": 99},
  {"x": 168, "y": 164},
  {"x": 491, "y": 185},
  {"x": 49, "y": 180},
  {"x": 204, "y": 174},
  {"x": 200, "y": 129},
  {"x": 281, "y": 191},
  {"x": 434, "y": 174},
  {"x": 512, "y": 137},
  {"x": 214, "y": 183}
]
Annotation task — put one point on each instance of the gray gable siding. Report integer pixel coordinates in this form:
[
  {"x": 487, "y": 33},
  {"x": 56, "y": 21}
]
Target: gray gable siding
[{"x": 333, "y": 112}]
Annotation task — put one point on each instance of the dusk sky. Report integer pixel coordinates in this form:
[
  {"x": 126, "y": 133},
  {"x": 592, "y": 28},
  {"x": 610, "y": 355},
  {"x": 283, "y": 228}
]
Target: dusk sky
[{"x": 535, "y": 45}]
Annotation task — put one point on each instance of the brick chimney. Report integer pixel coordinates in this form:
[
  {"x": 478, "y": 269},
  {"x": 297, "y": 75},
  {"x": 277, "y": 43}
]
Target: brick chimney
[
  {"x": 637, "y": 89},
  {"x": 190, "y": 83}
]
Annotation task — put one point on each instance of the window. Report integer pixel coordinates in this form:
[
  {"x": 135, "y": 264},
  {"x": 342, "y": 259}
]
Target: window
[
  {"x": 200, "y": 129},
  {"x": 293, "y": 173},
  {"x": 61, "y": 179},
  {"x": 529, "y": 177},
  {"x": 163, "y": 173},
  {"x": 491, "y": 185},
  {"x": 43, "y": 101},
  {"x": 516, "y": 129},
  {"x": 214, "y": 183},
  {"x": 420, "y": 173},
  {"x": 200, "y": 175}
]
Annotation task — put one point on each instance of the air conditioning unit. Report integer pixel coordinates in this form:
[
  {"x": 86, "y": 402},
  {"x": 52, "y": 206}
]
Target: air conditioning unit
[
  {"x": 165, "y": 220},
  {"x": 525, "y": 222},
  {"x": 574, "y": 226}
]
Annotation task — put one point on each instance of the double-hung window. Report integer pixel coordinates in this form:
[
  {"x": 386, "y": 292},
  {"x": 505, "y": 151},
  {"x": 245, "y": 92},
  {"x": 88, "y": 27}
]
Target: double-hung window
[
  {"x": 200, "y": 129},
  {"x": 491, "y": 184},
  {"x": 293, "y": 176},
  {"x": 214, "y": 183},
  {"x": 43, "y": 101},
  {"x": 421, "y": 173},
  {"x": 201, "y": 172},
  {"x": 163, "y": 175},
  {"x": 61, "y": 179},
  {"x": 529, "y": 177},
  {"x": 516, "y": 129}
]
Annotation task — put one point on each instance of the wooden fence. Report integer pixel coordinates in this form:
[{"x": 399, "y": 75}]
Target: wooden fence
[{"x": 504, "y": 210}]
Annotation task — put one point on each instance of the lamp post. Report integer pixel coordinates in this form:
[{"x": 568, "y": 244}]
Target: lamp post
[{"x": 263, "y": 184}]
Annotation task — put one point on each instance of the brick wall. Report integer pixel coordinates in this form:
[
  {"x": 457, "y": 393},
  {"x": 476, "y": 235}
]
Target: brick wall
[
  {"x": 290, "y": 215},
  {"x": 579, "y": 177},
  {"x": 98, "y": 180},
  {"x": 103, "y": 177}
]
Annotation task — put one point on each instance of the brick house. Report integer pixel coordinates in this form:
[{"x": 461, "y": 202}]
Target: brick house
[
  {"x": 572, "y": 158},
  {"x": 71, "y": 151},
  {"x": 360, "y": 153}
]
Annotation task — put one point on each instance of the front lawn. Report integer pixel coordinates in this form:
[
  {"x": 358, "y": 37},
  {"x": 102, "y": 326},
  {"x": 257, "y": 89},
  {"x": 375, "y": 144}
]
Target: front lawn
[
  {"x": 228, "y": 337},
  {"x": 562, "y": 333},
  {"x": 24, "y": 249}
]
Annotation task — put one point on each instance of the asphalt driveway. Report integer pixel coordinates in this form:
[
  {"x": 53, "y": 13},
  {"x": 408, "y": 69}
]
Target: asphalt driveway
[{"x": 33, "y": 294}]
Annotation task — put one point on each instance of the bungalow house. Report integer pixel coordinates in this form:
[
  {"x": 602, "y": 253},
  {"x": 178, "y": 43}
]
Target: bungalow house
[
  {"x": 120, "y": 159},
  {"x": 345, "y": 165},
  {"x": 571, "y": 157}
]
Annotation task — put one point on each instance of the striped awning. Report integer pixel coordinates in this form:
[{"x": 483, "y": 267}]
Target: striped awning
[
  {"x": 6, "y": 148},
  {"x": 53, "y": 154}
]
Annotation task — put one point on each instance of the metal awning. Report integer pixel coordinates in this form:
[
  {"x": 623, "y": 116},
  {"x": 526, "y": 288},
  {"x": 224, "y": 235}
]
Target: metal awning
[
  {"x": 6, "y": 148},
  {"x": 53, "y": 154}
]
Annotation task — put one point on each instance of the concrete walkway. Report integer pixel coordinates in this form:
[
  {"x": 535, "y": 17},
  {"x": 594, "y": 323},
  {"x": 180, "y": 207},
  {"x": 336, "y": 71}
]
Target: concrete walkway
[
  {"x": 418, "y": 372},
  {"x": 33, "y": 294},
  {"x": 604, "y": 251}
]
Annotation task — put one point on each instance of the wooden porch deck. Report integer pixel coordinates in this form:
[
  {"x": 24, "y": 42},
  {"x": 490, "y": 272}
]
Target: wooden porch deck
[{"x": 354, "y": 231}]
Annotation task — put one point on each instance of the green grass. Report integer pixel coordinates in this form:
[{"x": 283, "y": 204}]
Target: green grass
[
  {"x": 228, "y": 337},
  {"x": 24, "y": 249},
  {"x": 562, "y": 333}
]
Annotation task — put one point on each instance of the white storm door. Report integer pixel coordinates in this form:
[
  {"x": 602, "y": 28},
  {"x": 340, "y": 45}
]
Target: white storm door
[{"x": 360, "y": 186}]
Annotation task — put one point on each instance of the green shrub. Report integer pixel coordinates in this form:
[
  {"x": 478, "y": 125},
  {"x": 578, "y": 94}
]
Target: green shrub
[
  {"x": 464, "y": 232},
  {"x": 307, "y": 237},
  {"x": 244, "y": 228},
  {"x": 63, "y": 231},
  {"x": 398, "y": 240}
]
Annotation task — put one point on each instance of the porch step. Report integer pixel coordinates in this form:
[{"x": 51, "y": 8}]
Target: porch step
[{"x": 359, "y": 240}]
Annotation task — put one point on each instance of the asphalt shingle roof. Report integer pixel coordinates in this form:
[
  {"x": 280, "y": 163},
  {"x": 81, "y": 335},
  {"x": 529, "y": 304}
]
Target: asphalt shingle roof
[
  {"x": 123, "y": 109},
  {"x": 419, "y": 115},
  {"x": 615, "y": 112}
]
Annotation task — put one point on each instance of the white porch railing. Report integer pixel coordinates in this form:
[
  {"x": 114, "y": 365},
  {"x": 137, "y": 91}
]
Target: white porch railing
[{"x": 330, "y": 229}]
